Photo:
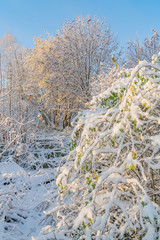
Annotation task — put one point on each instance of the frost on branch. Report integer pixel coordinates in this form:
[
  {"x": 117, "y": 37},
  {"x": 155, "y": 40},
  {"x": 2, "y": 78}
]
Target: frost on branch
[{"x": 110, "y": 185}]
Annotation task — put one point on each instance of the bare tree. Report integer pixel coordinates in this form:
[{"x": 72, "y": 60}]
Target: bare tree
[
  {"x": 137, "y": 51},
  {"x": 14, "y": 78},
  {"x": 84, "y": 44}
]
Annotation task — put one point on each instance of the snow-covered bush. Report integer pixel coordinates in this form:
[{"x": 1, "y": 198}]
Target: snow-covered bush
[
  {"x": 110, "y": 185},
  {"x": 32, "y": 149},
  {"x": 13, "y": 139}
]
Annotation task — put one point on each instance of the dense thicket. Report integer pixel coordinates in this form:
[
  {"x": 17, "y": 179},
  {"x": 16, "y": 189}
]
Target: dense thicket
[{"x": 109, "y": 187}]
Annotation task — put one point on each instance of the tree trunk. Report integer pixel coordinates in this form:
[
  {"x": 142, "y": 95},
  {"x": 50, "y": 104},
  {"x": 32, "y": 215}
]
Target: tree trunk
[
  {"x": 56, "y": 118},
  {"x": 66, "y": 119}
]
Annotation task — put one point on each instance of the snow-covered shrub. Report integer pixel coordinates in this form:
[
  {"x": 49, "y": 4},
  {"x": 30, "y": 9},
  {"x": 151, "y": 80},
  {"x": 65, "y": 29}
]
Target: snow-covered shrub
[
  {"x": 13, "y": 139},
  {"x": 32, "y": 149},
  {"x": 110, "y": 185}
]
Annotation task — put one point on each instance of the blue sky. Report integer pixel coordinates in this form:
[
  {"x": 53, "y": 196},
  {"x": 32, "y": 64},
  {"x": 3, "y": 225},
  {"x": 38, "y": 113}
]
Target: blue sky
[{"x": 29, "y": 18}]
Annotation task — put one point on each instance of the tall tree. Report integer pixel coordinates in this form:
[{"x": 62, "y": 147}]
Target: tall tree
[
  {"x": 84, "y": 44},
  {"x": 15, "y": 77},
  {"x": 64, "y": 65}
]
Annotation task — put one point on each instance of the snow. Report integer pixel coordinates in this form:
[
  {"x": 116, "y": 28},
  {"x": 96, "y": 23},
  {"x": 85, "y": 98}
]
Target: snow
[
  {"x": 26, "y": 194},
  {"x": 85, "y": 212}
]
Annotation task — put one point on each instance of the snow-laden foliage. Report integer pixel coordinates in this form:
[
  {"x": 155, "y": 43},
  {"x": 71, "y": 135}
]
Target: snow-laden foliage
[{"x": 110, "y": 186}]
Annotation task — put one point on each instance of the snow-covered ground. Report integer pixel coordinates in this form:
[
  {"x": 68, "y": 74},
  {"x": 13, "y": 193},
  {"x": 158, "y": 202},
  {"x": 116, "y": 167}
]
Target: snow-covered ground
[{"x": 26, "y": 193}]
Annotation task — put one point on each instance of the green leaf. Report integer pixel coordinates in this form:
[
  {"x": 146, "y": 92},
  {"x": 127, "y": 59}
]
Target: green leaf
[
  {"x": 90, "y": 199},
  {"x": 91, "y": 221},
  {"x": 86, "y": 203},
  {"x": 84, "y": 225},
  {"x": 144, "y": 203}
]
